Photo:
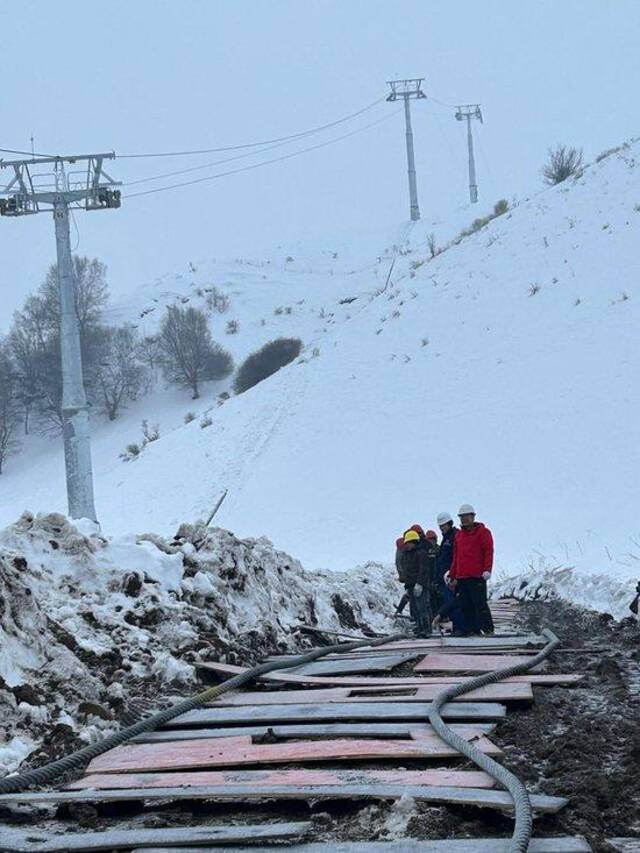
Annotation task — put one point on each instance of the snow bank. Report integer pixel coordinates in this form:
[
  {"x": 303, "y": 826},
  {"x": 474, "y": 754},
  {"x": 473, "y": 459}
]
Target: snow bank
[
  {"x": 90, "y": 626},
  {"x": 595, "y": 591}
]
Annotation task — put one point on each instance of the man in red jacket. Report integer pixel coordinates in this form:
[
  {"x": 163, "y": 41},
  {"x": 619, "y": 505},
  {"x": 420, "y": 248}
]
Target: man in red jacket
[{"x": 471, "y": 569}]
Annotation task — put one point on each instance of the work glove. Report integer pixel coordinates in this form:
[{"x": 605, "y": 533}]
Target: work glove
[
  {"x": 417, "y": 590},
  {"x": 486, "y": 576}
]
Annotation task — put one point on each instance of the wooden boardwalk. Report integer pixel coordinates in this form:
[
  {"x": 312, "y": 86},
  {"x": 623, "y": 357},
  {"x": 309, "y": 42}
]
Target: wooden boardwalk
[{"x": 311, "y": 733}]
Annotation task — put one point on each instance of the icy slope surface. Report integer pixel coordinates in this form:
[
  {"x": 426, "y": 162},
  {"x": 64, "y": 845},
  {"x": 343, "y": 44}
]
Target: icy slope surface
[{"x": 502, "y": 372}]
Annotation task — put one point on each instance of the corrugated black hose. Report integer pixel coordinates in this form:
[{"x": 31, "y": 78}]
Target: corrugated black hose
[
  {"x": 77, "y": 760},
  {"x": 522, "y": 804}
]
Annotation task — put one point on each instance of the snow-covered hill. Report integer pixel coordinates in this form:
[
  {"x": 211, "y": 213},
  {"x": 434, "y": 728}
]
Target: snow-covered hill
[{"x": 502, "y": 372}]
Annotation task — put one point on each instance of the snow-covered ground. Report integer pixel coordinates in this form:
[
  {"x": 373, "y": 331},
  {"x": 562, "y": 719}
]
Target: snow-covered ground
[
  {"x": 89, "y": 624},
  {"x": 502, "y": 372}
]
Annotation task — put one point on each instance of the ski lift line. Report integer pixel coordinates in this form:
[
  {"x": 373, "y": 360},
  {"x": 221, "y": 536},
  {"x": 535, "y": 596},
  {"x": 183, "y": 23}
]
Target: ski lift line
[
  {"x": 254, "y": 153},
  {"x": 443, "y": 133},
  {"x": 26, "y": 153},
  {"x": 444, "y": 104},
  {"x": 288, "y": 138},
  {"x": 265, "y": 162}
]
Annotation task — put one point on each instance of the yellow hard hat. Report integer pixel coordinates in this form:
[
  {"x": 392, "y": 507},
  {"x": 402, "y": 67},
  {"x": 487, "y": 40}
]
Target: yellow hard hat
[{"x": 411, "y": 536}]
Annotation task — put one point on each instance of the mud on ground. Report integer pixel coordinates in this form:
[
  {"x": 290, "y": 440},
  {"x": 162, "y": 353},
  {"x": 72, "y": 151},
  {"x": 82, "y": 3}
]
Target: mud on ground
[{"x": 581, "y": 742}]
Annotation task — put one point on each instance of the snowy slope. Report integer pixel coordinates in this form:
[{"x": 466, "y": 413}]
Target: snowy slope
[{"x": 502, "y": 372}]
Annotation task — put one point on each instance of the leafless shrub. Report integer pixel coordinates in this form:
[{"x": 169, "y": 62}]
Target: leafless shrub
[
  {"x": 131, "y": 451},
  {"x": 533, "y": 289},
  {"x": 216, "y": 301},
  {"x": 562, "y": 163},
  {"x": 232, "y": 327},
  {"x": 190, "y": 416},
  {"x": 432, "y": 245},
  {"x": 205, "y": 422},
  {"x": 150, "y": 432}
]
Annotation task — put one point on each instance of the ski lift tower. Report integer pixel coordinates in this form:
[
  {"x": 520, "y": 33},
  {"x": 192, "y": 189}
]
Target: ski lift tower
[
  {"x": 408, "y": 90},
  {"x": 468, "y": 112},
  {"x": 42, "y": 184}
]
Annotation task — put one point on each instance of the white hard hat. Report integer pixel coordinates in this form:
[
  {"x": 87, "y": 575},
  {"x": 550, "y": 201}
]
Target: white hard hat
[
  {"x": 443, "y": 518},
  {"x": 466, "y": 509}
]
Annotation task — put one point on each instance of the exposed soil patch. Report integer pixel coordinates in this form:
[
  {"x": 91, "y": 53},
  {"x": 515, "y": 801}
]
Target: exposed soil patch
[{"x": 581, "y": 742}]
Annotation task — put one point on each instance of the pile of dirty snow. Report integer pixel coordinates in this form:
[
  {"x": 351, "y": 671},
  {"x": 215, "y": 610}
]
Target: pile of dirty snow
[
  {"x": 92, "y": 629},
  {"x": 591, "y": 590}
]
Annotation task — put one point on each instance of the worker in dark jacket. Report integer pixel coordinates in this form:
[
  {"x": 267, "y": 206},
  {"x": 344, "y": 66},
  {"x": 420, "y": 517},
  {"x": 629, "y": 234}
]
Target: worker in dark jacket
[
  {"x": 418, "y": 566},
  {"x": 450, "y": 602},
  {"x": 471, "y": 569},
  {"x": 406, "y": 598}
]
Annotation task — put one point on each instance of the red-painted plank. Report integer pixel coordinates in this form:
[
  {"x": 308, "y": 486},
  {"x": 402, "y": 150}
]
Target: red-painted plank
[
  {"x": 221, "y": 752},
  {"x": 260, "y": 778},
  {"x": 378, "y": 693},
  {"x": 467, "y": 663}
]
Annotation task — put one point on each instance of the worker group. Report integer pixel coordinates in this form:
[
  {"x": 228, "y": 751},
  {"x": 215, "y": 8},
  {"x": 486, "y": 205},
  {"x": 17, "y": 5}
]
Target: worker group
[{"x": 447, "y": 580}]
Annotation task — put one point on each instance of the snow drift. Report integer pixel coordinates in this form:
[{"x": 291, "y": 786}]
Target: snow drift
[{"x": 90, "y": 626}]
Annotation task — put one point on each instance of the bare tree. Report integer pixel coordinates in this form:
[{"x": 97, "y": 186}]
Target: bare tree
[
  {"x": 35, "y": 341},
  {"x": 35, "y": 345},
  {"x": 149, "y": 351},
  {"x": 562, "y": 162},
  {"x": 91, "y": 289},
  {"x": 189, "y": 356},
  {"x": 120, "y": 376},
  {"x": 9, "y": 406}
]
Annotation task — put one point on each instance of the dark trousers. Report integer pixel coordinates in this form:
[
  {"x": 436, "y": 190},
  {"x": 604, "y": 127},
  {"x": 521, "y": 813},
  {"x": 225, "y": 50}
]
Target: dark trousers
[
  {"x": 422, "y": 611},
  {"x": 452, "y": 603},
  {"x": 475, "y": 609}
]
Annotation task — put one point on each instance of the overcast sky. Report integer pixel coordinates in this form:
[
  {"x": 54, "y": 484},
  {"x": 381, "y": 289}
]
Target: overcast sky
[{"x": 155, "y": 76}]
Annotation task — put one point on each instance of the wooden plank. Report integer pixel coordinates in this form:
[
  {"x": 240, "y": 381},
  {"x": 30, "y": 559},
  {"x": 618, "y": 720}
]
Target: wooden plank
[
  {"x": 335, "y": 712},
  {"x": 34, "y": 841},
  {"x": 439, "y": 642},
  {"x": 380, "y": 693},
  {"x": 487, "y": 798},
  {"x": 319, "y": 730},
  {"x": 262, "y": 778},
  {"x": 467, "y": 663},
  {"x": 408, "y": 845},
  {"x": 418, "y": 650},
  {"x": 488, "y": 643},
  {"x": 347, "y": 666},
  {"x": 286, "y": 677},
  {"x": 238, "y": 751}
]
